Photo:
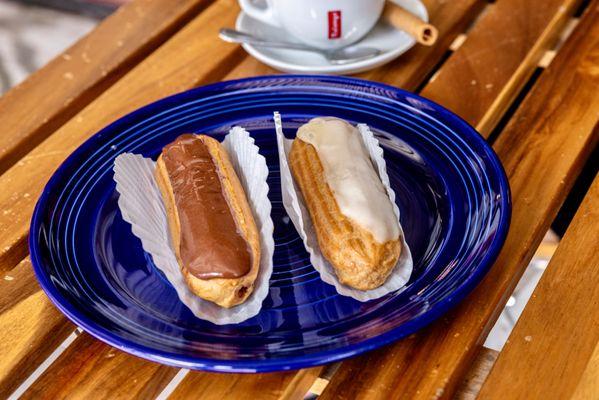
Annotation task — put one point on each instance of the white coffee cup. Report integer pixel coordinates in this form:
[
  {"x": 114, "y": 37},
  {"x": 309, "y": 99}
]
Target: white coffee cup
[{"x": 325, "y": 24}]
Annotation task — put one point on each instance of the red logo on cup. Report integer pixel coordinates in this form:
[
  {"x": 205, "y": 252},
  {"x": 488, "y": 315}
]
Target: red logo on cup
[{"x": 335, "y": 24}]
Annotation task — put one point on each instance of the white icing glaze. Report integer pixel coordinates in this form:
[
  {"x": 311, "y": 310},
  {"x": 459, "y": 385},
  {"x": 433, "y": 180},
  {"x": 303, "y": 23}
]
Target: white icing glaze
[{"x": 349, "y": 172}]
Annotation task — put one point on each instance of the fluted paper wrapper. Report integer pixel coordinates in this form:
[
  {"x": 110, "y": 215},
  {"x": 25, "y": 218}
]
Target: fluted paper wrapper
[
  {"x": 141, "y": 205},
  {"x": 299, "y": 215}
]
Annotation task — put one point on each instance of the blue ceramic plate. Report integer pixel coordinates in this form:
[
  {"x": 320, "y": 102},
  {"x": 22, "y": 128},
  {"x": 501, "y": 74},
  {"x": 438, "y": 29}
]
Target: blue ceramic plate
[{"x": 451, "y": 190}]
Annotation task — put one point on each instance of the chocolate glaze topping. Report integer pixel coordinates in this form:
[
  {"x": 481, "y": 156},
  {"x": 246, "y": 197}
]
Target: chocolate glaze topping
[{"x": 211, "y": 244}]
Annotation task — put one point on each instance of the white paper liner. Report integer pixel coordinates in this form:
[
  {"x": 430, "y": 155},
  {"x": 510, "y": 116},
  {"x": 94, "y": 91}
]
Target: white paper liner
[
  {"x": 298, "y": 213},
  {"x": 141, "y": 205}
]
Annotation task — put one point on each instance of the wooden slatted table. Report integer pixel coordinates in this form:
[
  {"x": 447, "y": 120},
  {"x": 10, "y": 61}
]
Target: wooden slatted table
[{"x": 510, "y": 68}]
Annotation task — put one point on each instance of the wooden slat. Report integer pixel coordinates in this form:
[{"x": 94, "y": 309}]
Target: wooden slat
[
  {"x": 49, "y": 97},
  {"x": 30, "y": 327},
  {"x": 283, "y": 385},
  {"x": 550, "y": 347},
  {"x": 188, "y": 59},
  {"x": 500, "y": 53},
  {"x": 89, "y": 369},
  {"x": 542, "y": 149}
]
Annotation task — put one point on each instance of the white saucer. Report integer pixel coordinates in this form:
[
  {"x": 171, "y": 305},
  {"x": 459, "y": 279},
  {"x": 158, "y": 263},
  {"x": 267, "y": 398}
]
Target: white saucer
[{"x": 392, "y": 42}]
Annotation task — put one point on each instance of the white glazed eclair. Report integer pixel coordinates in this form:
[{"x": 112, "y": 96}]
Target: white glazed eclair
[{"x": 356, "y": 228}]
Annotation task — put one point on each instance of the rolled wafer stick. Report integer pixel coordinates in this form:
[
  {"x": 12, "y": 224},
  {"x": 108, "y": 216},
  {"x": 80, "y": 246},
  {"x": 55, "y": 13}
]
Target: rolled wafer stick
[{"x": 423, "y": 32}]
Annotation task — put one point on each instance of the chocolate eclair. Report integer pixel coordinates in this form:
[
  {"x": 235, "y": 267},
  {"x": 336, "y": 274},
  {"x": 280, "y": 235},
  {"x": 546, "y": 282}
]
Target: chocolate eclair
[{"x": 212, "y": 228}]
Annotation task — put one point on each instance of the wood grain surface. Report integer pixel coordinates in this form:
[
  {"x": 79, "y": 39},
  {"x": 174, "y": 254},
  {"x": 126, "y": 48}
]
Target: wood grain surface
[
  {"x": 554, "y": 340},
  {"x": 588, "y": 386},
  {"x": 89, "y": 369},
  {"x": 188, "y": 59},
  {"x": 500, "y": 53},
  {"x": 249, "y": 66},
  {"x": 542, "y": 150},
  {"x": 30, "y": 327},
  {"x": 291, "y": 385},
  {"x": 49, "y": 97},
  {"x": 451, "y": 18}
]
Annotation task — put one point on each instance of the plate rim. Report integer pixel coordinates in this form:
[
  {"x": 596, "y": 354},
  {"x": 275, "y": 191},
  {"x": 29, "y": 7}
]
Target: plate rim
[{"x": 284, "y": 363}]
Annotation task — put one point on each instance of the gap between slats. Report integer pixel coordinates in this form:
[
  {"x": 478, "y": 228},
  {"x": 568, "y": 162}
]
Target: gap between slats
[
  {"x": 44, "y": 365},
  {"x": 172, "y": 385},
  {"x": 543, "y": 63}
]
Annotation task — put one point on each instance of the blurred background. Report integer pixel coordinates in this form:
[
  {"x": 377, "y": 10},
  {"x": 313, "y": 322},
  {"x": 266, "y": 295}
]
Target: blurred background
[{"x": 32, "y": 32}]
